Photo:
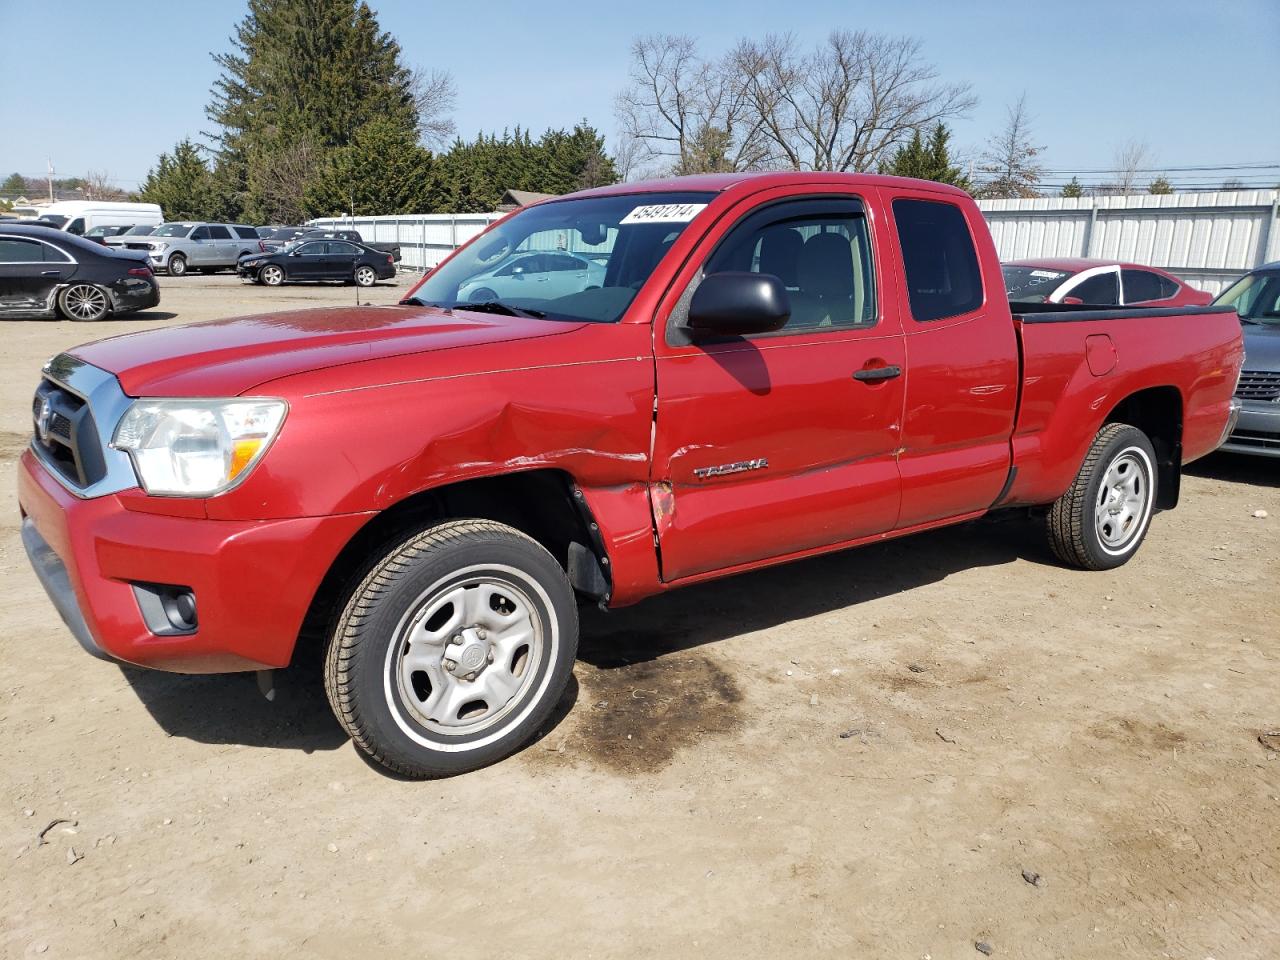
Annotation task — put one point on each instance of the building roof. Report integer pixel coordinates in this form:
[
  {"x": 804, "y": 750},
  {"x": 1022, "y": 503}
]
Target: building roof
[{"x": 514, "y": 199}]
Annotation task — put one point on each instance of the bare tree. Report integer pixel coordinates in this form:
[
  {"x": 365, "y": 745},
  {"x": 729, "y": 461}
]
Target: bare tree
[
  {"x": 280, "y": 180},
  {"x": 626, "y": 158},
  {"x": 686, "y": 111},
  {"x": 101, "y": 186},
  {"x": 1010, "y": 157},
  {"x": 846, "y": 104},
  {"x": 434, "y": 94},
  {"x": 1131, "y": 158}
]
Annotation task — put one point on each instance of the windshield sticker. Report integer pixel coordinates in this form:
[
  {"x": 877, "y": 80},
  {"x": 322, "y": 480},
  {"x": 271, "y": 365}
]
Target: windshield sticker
[
  {"x": 664, "y": 213},
  {"x": 1047, "y": 274}
]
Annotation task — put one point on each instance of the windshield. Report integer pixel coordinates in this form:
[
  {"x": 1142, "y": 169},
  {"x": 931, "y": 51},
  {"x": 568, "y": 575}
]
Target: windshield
[
  {"x": 1256, "y": 298},
  {"x": 139, "y": 231},
  {"x": 173, "y": 230},
  {"x": 51, "y": 220},
  {"x": 568, "y": 259},
  {"x": 1031, "y": 284}
]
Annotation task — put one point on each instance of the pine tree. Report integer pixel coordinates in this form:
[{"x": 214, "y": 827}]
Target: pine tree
[
  {"x": 1160, "y": 185},
  {"x": 382, "y": 171},
  {"x": 303, "y": 76},
  {"x": 931, "y": 161},
  {"x": 14, "y": 183},
  {"x": 1073, "y": 188},
  {"x": 181, "y": 184}
]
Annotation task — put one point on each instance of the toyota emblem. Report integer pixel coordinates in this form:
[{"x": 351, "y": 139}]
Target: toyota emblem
[{"x": 44, "y": 420}]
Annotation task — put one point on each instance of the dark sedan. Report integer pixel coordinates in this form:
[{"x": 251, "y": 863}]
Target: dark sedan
[
  {"x": 1256, "y": 298},
  {"x": 50, "y": 273},
  {"x": 319, "y": 260}
]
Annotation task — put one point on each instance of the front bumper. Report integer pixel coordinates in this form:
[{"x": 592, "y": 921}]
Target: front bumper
[
  {"x": 253, "y": 580},
  {"x": 1257, "y": 431}
]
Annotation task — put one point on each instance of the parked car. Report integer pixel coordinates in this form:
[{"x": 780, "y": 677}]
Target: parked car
[
  {"x": 1098, "y": 282},
  {"x": 534, "y": 274},
  {"x": 278, "y": 237},
  {"x": 317, "y": 233},
  {"x": 1256, "y": 298},
  {"x": 775, "y": 366},
  {"x": 264, "y": 233},
  {"x": 120, "y": 239},
  {"x": 100, "y": 234},
  {"x": 50, "y": 273},
  {"x": 318, "y": 260},
  {"x": 179, "y": 247},
  {"x": 81, "y": 216}
]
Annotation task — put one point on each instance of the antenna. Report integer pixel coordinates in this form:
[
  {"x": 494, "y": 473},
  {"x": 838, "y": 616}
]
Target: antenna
[{"x": 352, "y": 198}]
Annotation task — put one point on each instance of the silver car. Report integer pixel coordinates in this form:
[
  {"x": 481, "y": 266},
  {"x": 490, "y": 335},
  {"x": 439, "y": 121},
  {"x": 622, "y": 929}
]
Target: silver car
[
  {"x": 182, "y": 246},
  {"x": 536, "y": 276},
  {"x": 1256, "y": 298}
]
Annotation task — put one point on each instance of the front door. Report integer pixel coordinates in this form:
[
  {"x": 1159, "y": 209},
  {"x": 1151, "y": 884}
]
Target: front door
[
  {"x": 779, "y": 443},
  {"x": 308, "y": 261}
]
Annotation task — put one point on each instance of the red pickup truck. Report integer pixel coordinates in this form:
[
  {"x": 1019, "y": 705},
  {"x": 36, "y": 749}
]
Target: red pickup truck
[{"x": 750, "y": 369}]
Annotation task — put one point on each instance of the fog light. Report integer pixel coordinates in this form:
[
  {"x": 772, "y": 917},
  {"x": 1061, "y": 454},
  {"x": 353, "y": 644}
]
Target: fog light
[{"x": 168, "y": 609}]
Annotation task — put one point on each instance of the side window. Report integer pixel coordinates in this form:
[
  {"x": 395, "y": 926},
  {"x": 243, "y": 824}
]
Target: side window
[
  {"x": 14, "y": 250},
  {"x": 938, "y": 256},
  {"x": 246, "y": 233},
  {"x": 1102, "y": 290},
  {"x": 219, "y": 233},
  {"x": 313, "y": 249},
  {"x": 1167, "y": 287},
  {"x": 200, "y": 233},
  {"x": 343, "y": 248},
  {"x": 819, "y": 249},
  {"x": 559, "y": 263},
  {"x": 76, "y": 226},
  {"x": 1140, "y": 285}
]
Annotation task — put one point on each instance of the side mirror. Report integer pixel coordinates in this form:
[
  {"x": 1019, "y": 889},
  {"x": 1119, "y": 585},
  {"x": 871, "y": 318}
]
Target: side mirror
[
  {"x": 737, "y": 304},
  {"x": 518, "y": 272}
]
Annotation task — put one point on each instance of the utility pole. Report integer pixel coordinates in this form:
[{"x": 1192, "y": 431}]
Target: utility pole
[{"x": 51, "y": 179}]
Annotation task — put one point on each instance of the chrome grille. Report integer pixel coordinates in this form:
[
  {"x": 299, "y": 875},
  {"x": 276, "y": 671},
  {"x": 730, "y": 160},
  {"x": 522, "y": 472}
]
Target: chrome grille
[
  {"x": 63, "y": 425},
  {"x": 1259, "y": 385}
]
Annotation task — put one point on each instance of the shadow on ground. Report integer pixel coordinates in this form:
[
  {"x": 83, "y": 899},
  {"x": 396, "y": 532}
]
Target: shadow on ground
[{"x": 1237, "y": 468}]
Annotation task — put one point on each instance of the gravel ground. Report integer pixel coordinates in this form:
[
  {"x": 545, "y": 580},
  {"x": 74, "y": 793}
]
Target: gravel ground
[{"x": 872, "y": 754}]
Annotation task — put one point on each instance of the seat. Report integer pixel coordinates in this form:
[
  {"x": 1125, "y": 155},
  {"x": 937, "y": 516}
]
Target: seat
[
  {"x": 780, "y": 248},
  {"x": 830, "y": 291}
]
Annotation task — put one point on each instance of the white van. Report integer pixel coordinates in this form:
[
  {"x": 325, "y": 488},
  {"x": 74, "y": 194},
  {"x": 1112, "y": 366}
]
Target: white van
[{"x": 81, "y": 216}]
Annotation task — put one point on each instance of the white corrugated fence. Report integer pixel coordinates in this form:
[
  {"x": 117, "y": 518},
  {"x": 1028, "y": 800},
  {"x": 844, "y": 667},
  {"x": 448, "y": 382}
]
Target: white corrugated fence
[{"x": 1207, "y": 239}]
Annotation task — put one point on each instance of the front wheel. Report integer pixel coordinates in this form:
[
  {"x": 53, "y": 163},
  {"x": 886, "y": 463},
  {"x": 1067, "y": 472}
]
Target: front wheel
[
  {"x": 1100, "y": 522},
  {"x": 454, "y": 650},
  {"x": 271, "y": 275},
  {"x": 177, "y": 265}
]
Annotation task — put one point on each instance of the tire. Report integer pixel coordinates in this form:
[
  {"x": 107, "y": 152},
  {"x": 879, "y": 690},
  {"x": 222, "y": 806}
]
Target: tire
[
  {"x": 366, "y": 276},
  {"x": 1101, "y": 521},
  {"x": 177, "y": 266},
  {"x": 84, "y": 302},
  {"x": 271, "y": 275},
  {"x": 407, "y": 661},
  {"x": 482, "y": 295}
]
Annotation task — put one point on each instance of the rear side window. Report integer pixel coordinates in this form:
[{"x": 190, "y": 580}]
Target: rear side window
[
  {"x": 1102, "y": 290},
  {"x": 246, "y": 233},
  {"x": 1140, "y": 285},
  {"x": 219, "y": 233},
  {"x": 938, "y": 255}
]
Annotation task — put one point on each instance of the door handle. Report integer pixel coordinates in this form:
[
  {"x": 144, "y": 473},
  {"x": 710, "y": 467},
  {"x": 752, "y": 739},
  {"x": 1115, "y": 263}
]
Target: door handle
[
  {"x": 873, "y": 374},
  {"x": 50, "y": 273}
]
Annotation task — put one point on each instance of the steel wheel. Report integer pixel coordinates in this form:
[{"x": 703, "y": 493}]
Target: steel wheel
[
  {"x": 271, "y": 275},
  {"x": 177, "y": 265},
  {"x": 1124, "y": 500},
  {"x": 366, "y": 277},
  {"x": 84, "y": 301},
  {"x": 466, "y": 652}
]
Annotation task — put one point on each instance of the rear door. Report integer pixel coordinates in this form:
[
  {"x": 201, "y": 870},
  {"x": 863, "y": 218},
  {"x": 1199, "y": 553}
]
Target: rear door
[
  {"x": 223, "y": 248},
  {"x": 339, "y": 262},
  {"x": 962, "y": 359},
  {"x": 779, "y": 443},
  {"x": 30, "y": 273}
]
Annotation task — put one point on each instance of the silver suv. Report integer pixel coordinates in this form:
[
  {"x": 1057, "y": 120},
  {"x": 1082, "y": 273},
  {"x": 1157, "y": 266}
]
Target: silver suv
[{"x": 182, "y": 246}]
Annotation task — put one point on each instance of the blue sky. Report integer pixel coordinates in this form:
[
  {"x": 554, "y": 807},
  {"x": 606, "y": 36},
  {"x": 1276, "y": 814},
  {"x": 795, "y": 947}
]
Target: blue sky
[{"x": 108, "y": 85}]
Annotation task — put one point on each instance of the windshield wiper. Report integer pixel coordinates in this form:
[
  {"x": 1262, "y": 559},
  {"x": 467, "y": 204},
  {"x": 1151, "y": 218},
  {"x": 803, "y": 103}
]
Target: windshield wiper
[{"x": 497, "y": 306}]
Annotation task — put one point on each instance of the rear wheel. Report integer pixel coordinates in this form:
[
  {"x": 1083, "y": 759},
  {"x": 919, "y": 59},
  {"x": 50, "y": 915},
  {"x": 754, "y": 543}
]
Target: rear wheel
[
  {"x": 84, "y": 301},
  {"x": 366, "y": 276},
  {"x": 1100, "y": 522},
  {"x": 177, "y": 265},
  {"x": 483, "y": 295},
  {"x": 454, "y": 650},
  {"x": 271, "y": 275}
]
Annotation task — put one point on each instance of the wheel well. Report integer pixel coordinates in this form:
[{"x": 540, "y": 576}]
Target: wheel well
[
  {"x": 1157, "y": 412},
  {"x": 544, "y": 504}
]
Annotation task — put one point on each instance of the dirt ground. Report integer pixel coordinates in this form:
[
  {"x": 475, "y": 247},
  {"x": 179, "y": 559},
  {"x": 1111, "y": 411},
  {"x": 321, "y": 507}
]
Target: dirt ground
[{"x": 864, "y": 756}]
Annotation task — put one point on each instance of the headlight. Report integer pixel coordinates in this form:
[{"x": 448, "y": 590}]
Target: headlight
[
  {"x": 197, "y": 448},
  {"x": 158, "y": 246}
]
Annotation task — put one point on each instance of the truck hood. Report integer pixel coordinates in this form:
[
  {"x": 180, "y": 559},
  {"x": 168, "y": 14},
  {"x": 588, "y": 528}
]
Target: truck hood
[
  {"x": 1261, "y": 346},
  {"x": 226, "y": 358}
]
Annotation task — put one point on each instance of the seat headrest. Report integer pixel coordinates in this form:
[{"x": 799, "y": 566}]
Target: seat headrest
[
  {"x": 826, "y": 266},
  {"x": 780, "y": 254}
]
